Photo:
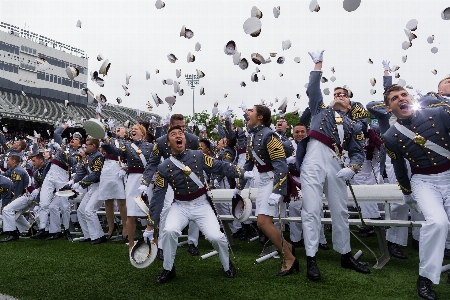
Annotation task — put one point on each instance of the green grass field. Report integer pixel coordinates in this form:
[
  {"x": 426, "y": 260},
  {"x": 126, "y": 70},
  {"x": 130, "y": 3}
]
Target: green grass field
[{"x": 36, "y": 269}]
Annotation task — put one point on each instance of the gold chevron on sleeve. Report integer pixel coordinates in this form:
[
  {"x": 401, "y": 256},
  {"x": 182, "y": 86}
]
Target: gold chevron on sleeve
[
  {"x": 155, "y": 149},
  {"x": 97, "y": 165},
  {"x": 275, "y": 149},
  {"x": 159, "y": 180},
  {"x": 208, "y": 161}
]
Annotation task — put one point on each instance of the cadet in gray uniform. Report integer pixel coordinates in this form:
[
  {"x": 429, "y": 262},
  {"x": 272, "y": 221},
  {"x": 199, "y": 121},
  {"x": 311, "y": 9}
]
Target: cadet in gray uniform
[
  {"x": 16, "y": 149},
  {"x": 184, "y": 171},
  {"x": 57, "y": 175},
  {"x": 20, "y": 180},
  {"x": 20, "y": 204},
  {"x": 321, "y": 172},
  {"x": 137, "y": 154},
  {"x": 88, "y": 178},
  {"x": 266, "y": 152},
  {"x": 422, "y": 137},
  {"x": 161, "y": 150},
  {"x": 6, "y": 189}
]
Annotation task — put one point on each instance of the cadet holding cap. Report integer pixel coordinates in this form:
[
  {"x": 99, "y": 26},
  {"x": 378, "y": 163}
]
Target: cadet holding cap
[
  {"x": 184, "y": 171},
  {"x": 331, "y": 131}
]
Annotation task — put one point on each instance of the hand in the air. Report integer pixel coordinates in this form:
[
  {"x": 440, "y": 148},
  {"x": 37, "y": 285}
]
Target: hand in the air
[
  {"x": 386, "y": 65},
  {"x": 316, "y": 56}
]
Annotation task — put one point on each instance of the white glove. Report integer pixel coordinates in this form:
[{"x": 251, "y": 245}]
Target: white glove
[
  {"x": 273, "y": 199},
  {"x": 138, "y": 112},
  {"x": 75, "y": 186},
  {"x": 56, "y": 146},
  {"x": 34, "y": 194},
  {"x": 386, "y": 65},
  {"x": 153, "y": 120},
  {"x": 69, "y": 123},
  {"x": 419, "y": 93},
  {"x": 143, "y": 189},
  {"x": 411, "y": 202},
  {"x": 70, "y": 183},
  {"x": 243, "y": 106},
  {"x": 52, "y": 141},
  {"x": 236, "y": 192},
  {"x": 345, "y": 173},
  {"x": 202, "y": 127},
  {"x": 148, "y": 235},
  {"x": 36, "y": 209},
  {"x": 291, "y": 160},
  {"x": 111, "y": 124},
  {"x": 228, "y": 112},
  {"x": 99, "y": 108},
  {"x": 316, "y": 56},
  {"x": 122, "y": 173},
  {"x": 217, "y": 184},
  {"x": 248, "y": 175},
  {"x": 220, "y": 113}
]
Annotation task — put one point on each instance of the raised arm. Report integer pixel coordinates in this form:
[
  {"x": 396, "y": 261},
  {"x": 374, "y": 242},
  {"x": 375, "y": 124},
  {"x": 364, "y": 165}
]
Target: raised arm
[{"x": 314, "y": 93}]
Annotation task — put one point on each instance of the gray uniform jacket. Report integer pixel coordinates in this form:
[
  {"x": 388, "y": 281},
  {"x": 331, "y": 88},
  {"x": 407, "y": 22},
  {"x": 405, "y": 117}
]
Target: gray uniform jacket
[
  {"x": 267, "y": 145},
  {"x": 433, "y": 124},
  {"x": 20, "y": 179},
  {"x": 68, "y": 157},
  {"x": 6, "y": 189},
  {"x": 90, "y": 169},
  {"x": 162, "y": 149},
  {"x": 227, "y": 155},
  {"x": 323, "y": 125},
  {"x": 185, "y": 189},
  {"x": 38, "y": 175}
]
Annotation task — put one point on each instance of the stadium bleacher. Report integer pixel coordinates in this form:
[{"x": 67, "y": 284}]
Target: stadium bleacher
[{"x": 35, "y": 106}]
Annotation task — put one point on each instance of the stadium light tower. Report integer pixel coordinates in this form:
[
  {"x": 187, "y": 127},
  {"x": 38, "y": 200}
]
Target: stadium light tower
[{"x": 192, "y": 81}]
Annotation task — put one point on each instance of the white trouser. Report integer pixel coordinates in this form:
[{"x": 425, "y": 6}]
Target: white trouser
[
  {"x": 432, "y": 192},
  {"x": 59, "y": 213},
  {"x": 193, "y": 231},
  {"x": 10, "y": 223},
  {"x": 296, "y": 231},
  {"x": 368, "y": 175},
  {"x": 399, "y": 235},
  {"x": 87, "y": 214},
  {"x": 200, "y": 212},
  {"x": 319, "y": 169},
  {"x": 56, "y": 178}
]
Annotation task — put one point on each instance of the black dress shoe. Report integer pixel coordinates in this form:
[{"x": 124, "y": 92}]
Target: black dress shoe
[
  {"x": 324, "y": 246},
  {"x": 84, "y": 241},
  {"x": 312, "y": 271},
  {"x": 237, "y": 234},
  {"x": 231, "y": 273},
  {"x": 295, "y": 266},
  {"x": 68, "y": 235},
  {"x": 29, "y": 233},
  {"x": 262, "y": 238},
  {"x": 99, "y": 240},
  {"x": 425, "y": 289},
  {"x": 55, "y": 236},
  {"x": 415, "y": 244},
  {"x": 41, "y": 234},
  {"x": 447, "y": 254},
  {"x": 193, "y": 250},
  {"x": 395, "y": 251},
  {"x": 160, "y": 254},
  {"x": 11, "y": 237},
  {"x": 245, "y": 232},
  {"x": 352, "y": 263},
  {"x": 121, "y": 238},
  {"x": 166, "y": 276}
]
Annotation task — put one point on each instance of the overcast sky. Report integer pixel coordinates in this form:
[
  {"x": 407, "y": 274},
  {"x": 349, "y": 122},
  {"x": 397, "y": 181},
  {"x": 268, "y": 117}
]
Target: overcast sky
[{"x": 136, "y": 37}]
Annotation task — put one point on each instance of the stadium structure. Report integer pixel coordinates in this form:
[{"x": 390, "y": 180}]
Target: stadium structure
[{"x": 31, "y": 99}]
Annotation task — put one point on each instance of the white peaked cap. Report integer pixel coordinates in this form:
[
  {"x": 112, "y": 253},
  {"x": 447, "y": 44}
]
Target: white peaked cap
[
  {"x": 445, "y": 14},
  {"x": 351, "y": 5},
  {"x": 434, "y": 50},
  {"x": 147, "y": 75},
  {"x": 178, "y": 73},
  {"x": 236, "y": 58},
  {"x": 412, "y": 24},
  {"x": 159, "y": 4},
  {"x": 276, "y": 12},
  {"x": 430, "y": 39},
  {"x": 285, "y": 45},
  {"x": 99, "y": 57},
  {"x": 252, "y": 26},
  {"x": 104, "y": 68},
  {"x": 198, "y": 46},
  {"x": 78, "y": 24},
  {"x": 314, "y": 6},
  {"x": 256, "y": 13},
  {"x": 297, "y": 59}
]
